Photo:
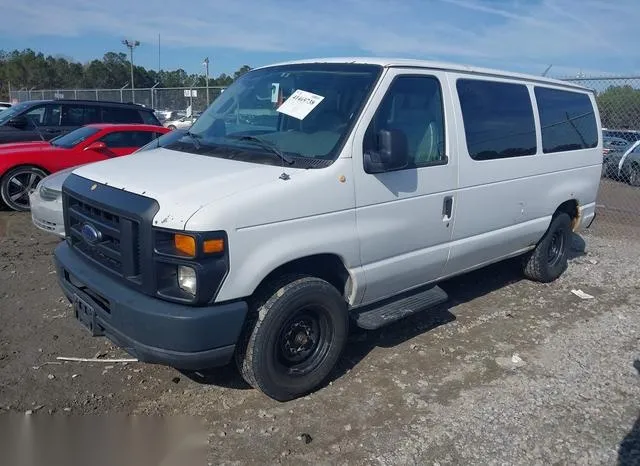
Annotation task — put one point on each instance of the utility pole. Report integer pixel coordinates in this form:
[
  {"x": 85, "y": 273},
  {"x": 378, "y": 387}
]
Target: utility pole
[
  {"x": 131, "y": 44},
  {"x": 206, "y": 66}
]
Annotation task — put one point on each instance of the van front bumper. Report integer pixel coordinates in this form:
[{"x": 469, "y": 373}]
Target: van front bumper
[{"x": 150, "y": 329}]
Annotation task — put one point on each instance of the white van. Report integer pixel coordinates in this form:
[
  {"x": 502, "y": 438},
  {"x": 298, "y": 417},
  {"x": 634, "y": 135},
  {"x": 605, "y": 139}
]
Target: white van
[{"x": 315, "y": 193}]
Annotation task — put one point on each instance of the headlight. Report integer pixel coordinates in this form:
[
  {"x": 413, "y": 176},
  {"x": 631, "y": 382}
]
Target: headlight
[
  {"x": 187, "y": 280},
  {"x": 49, "y": 194}
]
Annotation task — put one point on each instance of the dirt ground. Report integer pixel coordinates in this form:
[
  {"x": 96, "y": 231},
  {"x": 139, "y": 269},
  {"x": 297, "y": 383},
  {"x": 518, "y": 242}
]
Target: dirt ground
[{"x": 508, "y": 372}]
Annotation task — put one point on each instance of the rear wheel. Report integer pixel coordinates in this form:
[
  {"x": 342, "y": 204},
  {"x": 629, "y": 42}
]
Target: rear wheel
[
  {"x": 549, "y": 259},
  {"x": 17, "y": 184},
  {"x": 171, "y": 127},
  {"x": 297, "y": 332}
]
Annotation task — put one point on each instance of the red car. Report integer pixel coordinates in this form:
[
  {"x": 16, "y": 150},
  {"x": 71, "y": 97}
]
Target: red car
[{"x": 24, "y": 164}]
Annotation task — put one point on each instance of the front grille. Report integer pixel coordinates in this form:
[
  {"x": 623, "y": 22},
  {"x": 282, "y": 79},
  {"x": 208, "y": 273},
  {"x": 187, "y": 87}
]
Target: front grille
[{"x": 117, "y": 247}]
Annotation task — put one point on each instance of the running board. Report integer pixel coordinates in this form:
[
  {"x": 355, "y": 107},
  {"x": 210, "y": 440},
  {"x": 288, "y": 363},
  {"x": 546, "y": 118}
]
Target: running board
[{"x": 380, "y": 314}]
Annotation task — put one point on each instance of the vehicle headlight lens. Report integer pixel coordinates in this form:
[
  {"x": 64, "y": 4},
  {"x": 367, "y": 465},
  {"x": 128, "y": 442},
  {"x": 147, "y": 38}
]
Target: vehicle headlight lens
[
  {"x": 187, "y": 280},
  {"x": 48, "y": 193}
]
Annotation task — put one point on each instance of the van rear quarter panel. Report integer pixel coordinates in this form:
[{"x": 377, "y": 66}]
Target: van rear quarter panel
[{"x": 504, "y": 206}]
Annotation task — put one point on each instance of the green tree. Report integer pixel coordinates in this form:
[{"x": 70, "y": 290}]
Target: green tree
[
  {"x": 28, "y": 69},
  {"x": 619, "y": 107}
]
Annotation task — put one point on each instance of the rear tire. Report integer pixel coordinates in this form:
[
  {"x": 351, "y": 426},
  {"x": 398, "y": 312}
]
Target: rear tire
[
  {"x": 294, "y": 337},
  {"x": 16, "y": 185},
  {"x": 549, "y": 259}
]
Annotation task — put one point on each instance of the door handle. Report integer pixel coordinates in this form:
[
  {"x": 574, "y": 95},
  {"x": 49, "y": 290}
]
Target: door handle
[{"x": 447, "y": 208}]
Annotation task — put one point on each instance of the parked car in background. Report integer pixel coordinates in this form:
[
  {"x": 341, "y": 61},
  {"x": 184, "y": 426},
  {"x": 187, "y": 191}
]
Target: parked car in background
[
  {"x": 180, "y": 123},
  {"x": 612, "y": 150},
  {"x": 46, "y": 199},
  {"x": 42, "y": 120},
  {"x": 24, "y": 164},
  {"x": 4, "y": 105},
  {"x": 629, "y": 135},
  {"x": 629, "y": 165}
]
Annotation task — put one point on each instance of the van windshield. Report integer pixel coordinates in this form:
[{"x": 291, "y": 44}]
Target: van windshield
[{"x": 303, "y": 112}]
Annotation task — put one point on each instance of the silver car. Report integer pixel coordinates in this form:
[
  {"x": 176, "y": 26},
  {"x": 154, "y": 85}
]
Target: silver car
[
  {"x": 180, "y": 123},
  {"x": 629, "y": 165}
]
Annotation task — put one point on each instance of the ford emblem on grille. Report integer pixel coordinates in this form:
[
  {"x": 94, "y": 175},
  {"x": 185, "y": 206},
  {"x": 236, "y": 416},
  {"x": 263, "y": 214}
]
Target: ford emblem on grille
[{"x": 90, "y": 233}]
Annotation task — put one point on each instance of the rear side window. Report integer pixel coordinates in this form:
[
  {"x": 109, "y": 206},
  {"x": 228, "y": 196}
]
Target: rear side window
[
  {"x": 125, "y": 139},
  {"x": 149, "y": 118},
  {"x": 567, "y": 120},
  {"x": 120, "y": 115},
  {"x": 498, "y": 119}
]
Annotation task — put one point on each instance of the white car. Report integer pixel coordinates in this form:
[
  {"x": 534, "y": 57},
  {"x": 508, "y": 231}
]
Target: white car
[
  {"x": 4, "y": 106},
  {"x": 259, "y": 241},
  {"x": 46, "y": 199},
  {"x": 46, "y": 203}
]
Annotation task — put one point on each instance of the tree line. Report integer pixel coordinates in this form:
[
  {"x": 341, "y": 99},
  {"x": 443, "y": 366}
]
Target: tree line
[{"x": 29, "y": 69}]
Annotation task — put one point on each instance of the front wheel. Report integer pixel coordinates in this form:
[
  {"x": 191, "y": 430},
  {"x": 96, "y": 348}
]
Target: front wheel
[
  {"x": 17, "y": 184},
  {"x": 549, "y": 259},
  {"x": 634, "y": 175},
  {"x": 296, "y": 333}
]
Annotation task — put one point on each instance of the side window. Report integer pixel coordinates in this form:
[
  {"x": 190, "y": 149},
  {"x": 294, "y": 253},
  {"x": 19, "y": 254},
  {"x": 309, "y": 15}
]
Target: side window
[
  {"x": 92, "y": 115},
  {"x": 149, "y": 118},
  {"x": 46, "y": 115},
  {"x": 498, "y": 119},
  {"x": 567, "y": 120},
  {"x": 125, "y": 139},
  {"x": 72, "y": 115},
  {"x": 413, "y": 105},
  {"x": 36, "y": 116},
  {"x": 120, "y": 115}
]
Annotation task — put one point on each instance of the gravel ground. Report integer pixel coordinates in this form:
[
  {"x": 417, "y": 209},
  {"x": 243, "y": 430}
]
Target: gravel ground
[{"x": 509, "y": 372}]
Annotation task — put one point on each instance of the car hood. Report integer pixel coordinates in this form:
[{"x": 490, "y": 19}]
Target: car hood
[
  {"x": 13, "y": 147},
  {"x": 182, "y": 183},
  {"x": 55, "y": 180}
]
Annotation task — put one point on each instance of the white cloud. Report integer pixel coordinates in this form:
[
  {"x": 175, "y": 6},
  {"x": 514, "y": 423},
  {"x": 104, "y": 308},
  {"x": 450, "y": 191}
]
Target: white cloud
[{"x": 573, "y": 34}]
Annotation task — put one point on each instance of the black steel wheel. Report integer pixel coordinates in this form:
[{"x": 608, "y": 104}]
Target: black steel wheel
[
  {"x": 549, "y": 259},
  {"x": 297, "y": 330}
]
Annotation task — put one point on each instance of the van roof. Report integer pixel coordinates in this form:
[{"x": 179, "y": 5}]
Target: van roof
[{"x": 435, "y": 65}]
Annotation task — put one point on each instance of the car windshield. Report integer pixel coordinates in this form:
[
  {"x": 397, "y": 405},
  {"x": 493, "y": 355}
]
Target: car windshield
[
  {"x": 301, "y": 111},
  {"x": 7, "y": 114},
  {"x": 162, "y": 141},
  {"x": 74, "y": 138}
]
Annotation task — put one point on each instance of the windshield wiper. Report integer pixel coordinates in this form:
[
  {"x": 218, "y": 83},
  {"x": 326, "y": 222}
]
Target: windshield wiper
[
  {"x": 195, "y": 138},
  {"x": 272, "y": 148}
]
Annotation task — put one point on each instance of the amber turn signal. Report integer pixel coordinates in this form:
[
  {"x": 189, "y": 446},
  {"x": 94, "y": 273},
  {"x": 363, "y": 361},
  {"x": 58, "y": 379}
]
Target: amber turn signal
[
  {"x": 185, "y": 244},
  {"x": 213, "y": 246}
]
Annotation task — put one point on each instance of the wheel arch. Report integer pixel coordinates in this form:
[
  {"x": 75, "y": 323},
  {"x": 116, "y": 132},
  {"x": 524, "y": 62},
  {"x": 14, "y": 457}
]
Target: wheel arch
[{"x": 326, "y": 266}]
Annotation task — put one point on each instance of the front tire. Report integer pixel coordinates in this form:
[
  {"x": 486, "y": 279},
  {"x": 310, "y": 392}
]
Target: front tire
[
  {"x": 17, "y": 184},
  {"x": 549, "y": 259},
  {"x": 296, "y": 333}
]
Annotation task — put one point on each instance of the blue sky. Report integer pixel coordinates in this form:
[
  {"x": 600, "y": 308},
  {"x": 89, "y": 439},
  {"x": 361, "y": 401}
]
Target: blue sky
[{"x": 590, "y": 36}]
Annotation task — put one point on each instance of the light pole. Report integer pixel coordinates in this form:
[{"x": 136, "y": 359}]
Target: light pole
[
  {"x": 206, "y": 67},
  {"x": 131, "y": 44}
]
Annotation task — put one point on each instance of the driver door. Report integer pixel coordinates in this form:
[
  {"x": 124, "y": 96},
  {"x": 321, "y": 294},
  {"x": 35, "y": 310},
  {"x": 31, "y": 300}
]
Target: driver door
[{"x": 405, "y": 217}]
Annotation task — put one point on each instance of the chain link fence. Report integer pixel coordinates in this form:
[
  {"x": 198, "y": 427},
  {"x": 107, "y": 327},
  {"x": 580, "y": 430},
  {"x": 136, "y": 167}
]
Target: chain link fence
[
  {"x": 618, "y": 98},
  {"x": 618, "y": 204},
  {"x": 176, "y": 99}
]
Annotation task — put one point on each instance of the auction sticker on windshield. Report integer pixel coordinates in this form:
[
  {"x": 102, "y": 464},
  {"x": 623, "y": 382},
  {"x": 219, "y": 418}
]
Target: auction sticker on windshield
[{"x": 300, "y": 104}]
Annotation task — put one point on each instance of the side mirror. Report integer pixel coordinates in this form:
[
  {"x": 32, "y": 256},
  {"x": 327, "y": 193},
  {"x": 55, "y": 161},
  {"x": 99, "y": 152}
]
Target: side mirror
[
  {"x": 19, "y": 122},
  {"x": 97, "y": 145},
  {"x": 392, "y": 152}
]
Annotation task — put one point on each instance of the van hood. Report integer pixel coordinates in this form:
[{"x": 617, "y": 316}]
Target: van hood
[{"x": 181, "y": 182}]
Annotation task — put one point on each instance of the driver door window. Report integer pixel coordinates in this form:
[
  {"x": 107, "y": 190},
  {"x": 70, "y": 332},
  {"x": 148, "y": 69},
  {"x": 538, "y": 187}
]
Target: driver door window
[{"x": 413, "y": 105}]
